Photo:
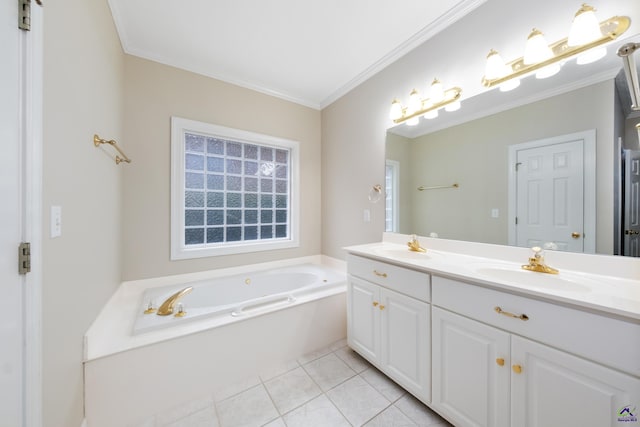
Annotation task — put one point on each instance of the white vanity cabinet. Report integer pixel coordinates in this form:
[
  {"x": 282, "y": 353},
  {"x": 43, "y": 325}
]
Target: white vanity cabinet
[
  {"x": 388, "y": 321},
  {"x": 506, "y": 360}
]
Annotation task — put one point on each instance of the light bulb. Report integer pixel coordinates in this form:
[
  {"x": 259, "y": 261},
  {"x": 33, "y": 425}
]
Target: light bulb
[
  {"x": 536, "y": 50},
  {"x": 431, "y": 114},
  {"x": 396, "y": 110},
  {"x": 413, "y": 121},
  {"x": 509, "y": 85},
  {"x": 436, "y": 92},
  {"x": 454, "y": 106},
  {"x": 495, "y": 67},
  {"x": 585, "y": 27},
  {"x": 592, "y": 55},
  {"x": 548, "y": 71},
  {"x": 415, "y": 104}
]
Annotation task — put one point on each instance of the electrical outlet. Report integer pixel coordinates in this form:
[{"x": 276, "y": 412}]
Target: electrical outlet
[{"x": 56, "y": 221}]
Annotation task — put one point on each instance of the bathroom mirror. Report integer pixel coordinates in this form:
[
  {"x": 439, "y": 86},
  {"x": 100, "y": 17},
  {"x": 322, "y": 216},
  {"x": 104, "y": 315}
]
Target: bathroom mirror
[{"x": 461, "y": 159}]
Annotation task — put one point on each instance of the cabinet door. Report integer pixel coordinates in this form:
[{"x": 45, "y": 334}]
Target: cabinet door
[
  {"x": 555, "y": 388},
  {"x": 363, "y": 318},
  {"x": 470, "y": 371},
  {"x": 405, "y": 338}
]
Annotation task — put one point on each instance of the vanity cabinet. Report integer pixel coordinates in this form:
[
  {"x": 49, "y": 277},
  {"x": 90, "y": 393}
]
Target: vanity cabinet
[
  {"x": 388, "y": 321},
  {"x": 505, "y": 360}
]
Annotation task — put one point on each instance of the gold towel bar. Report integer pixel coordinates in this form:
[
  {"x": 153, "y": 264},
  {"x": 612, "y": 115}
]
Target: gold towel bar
[
  {"x": 422, "y": 187},
  {"x": 97, "y": 141}
]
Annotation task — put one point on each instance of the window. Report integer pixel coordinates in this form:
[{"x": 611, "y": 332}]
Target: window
[
  {"x": 232, "y": 191},
  {"x": 392, "y": 172}
]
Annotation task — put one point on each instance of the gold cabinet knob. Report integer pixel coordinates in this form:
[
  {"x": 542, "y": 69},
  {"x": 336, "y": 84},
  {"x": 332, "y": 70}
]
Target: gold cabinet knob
[
  {"x": 375, "y": 303},
  {"x": 381, "y": 307},
  {"x": 576, "y": 235},
  {"x": 517, "y": 369},
  {"x": 500, "y": 361}
]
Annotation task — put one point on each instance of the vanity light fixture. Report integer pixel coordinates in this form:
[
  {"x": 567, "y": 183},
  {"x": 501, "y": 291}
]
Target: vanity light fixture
[
  {"x": 586, "y": 42},
  {"x": 428, "y": 107}
]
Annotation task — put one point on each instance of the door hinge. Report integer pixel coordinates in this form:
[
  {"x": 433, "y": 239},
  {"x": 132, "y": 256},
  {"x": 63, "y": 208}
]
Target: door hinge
[
  {"x": 24, "y": 15},
  {"x": 24, "y": 258},
  {"x": 516, "y": 220}
]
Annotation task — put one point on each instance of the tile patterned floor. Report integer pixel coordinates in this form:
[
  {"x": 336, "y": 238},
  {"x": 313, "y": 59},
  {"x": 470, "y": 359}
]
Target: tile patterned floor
[{"x": 333, "y": 387}]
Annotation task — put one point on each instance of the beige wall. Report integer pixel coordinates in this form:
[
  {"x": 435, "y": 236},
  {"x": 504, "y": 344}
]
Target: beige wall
[
  {"x": 475, "y": 155},
  {"x": 83, "y": 81},
  {"x": 155, "y": 92}
]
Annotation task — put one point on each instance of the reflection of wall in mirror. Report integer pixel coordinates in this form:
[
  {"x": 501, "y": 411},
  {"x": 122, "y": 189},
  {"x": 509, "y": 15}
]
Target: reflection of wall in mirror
[{"x": 474, "y": 154}]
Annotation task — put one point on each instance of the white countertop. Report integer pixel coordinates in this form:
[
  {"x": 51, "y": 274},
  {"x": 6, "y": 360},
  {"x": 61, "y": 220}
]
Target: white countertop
[{"x": 605, "y": 284}]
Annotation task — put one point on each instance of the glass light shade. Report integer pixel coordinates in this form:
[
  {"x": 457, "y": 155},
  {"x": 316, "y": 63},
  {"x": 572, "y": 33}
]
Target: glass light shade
[
  {"x": 431, "y": 114},
  {"x": 436, "y": 92},
  {"x": 536, "y": 50},
  {"x": 415, "y": 103},
  {"x": 454, "y": 106},
  {"x": 585, "y": 27},
  {"x": 592, "y": 55},
  {"x": 495, "y": 66},
  {"x": 396, "y": 110},
  {"x": 509, "y": 85},
  {"x": 413, "y": 121},
  {"x": 548, "y": 71}
]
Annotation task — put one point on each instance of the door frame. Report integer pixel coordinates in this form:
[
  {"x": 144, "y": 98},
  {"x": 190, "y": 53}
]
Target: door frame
[
  {"x": 589, "y": 199},
  {"x": 31, "y": 131}
]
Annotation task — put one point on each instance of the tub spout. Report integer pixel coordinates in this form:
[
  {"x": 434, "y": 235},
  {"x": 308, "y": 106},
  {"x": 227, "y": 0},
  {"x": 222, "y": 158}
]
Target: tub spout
[{"x": 167, "y": 306}]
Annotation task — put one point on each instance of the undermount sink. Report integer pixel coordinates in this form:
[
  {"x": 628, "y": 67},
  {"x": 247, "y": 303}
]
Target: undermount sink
[{"x": 515, "y": 274}]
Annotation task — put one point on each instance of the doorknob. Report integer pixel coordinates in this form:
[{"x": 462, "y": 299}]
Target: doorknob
[
  {"x": 576, "y": 235},
  {"x": 631, "y": 232}
]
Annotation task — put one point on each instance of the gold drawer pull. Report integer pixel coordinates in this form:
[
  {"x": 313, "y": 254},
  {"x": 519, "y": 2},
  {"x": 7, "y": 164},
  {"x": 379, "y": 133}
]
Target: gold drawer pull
[
  {"x": 381, "y": 307},
  {"x": 375, "y": 303},
  {"x": 517, "y": 369},
  {"x": 377, "y": 273},
  {"x": 516, "y": 316},
  {"x": 500, "y": 361}
]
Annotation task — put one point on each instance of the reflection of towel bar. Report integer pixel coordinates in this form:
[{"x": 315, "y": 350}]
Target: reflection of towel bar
[
  {"x": 422, "y": 187},
  {"x": 97, "y": 141}
]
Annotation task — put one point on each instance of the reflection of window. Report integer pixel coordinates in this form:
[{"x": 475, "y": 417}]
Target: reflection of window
[
  {"x": 392, "y": 172},
  {"x": 232, "y": 191}
]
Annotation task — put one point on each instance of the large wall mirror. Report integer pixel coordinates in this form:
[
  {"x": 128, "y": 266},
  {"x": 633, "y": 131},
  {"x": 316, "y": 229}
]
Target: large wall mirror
[{"x": 459, "y": 179}]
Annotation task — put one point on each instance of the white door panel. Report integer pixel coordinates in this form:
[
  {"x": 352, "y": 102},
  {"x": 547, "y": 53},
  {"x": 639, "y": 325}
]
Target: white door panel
[
  {"x": 11, "y": 326},
  {"x": 550, "y": 206}
]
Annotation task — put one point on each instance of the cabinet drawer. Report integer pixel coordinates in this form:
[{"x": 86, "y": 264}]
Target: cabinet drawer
[
  {"x": 610, "y": 341},
  {"x": 403, "y": 280}
]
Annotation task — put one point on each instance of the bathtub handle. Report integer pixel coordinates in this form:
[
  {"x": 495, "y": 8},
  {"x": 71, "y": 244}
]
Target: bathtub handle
[{"x": 244, "y": 310}]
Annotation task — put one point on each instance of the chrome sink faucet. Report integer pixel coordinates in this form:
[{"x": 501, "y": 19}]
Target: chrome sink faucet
[
  {"x": 536, "y": 262},
  {"x": 414, "y": 244}
]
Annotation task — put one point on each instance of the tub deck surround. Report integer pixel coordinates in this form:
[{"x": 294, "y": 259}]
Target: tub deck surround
[
  {"x": 605, "y": 284},
  {"x": 112, "y": 331}
]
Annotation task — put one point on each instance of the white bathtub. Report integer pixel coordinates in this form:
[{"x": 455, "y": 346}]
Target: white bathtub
[
  {"x": 176, "y": 360},
  {"x": 238, "y": 295}
]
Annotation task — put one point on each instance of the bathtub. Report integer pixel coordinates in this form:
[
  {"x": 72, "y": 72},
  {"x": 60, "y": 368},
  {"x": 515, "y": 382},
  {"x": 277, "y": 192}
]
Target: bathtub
[
  {"x": 238, "y": 295},
  {"x": 240, "y": 322}
]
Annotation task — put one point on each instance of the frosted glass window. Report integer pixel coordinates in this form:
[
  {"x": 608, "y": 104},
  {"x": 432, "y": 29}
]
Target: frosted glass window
[{"x": 231, "y": 190}]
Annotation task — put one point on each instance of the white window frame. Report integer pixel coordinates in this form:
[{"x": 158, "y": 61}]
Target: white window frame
[
  {"x": 394, "y": 194},
  {"x": 179, "y": 250}
]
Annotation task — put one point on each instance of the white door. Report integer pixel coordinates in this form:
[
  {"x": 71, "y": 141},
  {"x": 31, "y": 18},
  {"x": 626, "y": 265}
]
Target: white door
[
  {"x": 554, "y": 388},
  {"x": 631, "y": 203},
  {"x": 363, "y": 318},
  {"x": 405, "y": 341},
  {"x": 471, "y": 369},
  {"x": 550, "y": 196},
  {"x": 11, "y": 326}
]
